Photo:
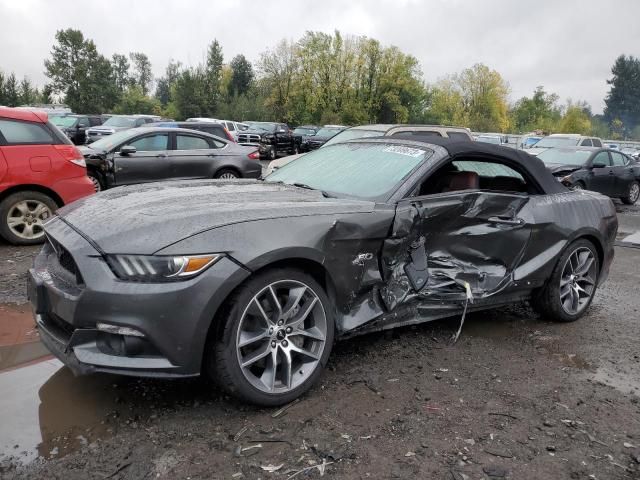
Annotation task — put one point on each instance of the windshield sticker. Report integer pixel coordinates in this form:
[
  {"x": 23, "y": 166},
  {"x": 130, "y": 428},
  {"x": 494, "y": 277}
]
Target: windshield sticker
[{"x": 408, "y": 151}]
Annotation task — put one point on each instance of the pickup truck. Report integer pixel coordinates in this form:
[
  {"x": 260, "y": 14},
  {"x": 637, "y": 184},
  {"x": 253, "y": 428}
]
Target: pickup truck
[{"x": 271, "y": 138}]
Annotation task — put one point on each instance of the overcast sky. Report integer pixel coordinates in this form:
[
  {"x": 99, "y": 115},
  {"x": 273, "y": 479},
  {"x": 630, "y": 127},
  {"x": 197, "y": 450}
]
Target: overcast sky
[{"x": 566, "y": 45}]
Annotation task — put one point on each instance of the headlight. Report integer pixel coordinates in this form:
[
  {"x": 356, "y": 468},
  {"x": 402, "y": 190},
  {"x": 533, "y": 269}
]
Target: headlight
[{"x": 155, "y": 268}]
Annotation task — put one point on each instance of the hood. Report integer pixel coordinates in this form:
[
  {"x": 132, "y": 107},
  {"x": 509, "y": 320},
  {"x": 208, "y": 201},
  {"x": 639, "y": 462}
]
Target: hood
[
  {"x": 142, "y": 219},
  {"x": 102, "y": 128},
  {"x": 254, "y": 132},
  {"x": 535, "y": 151},
  {"x": 558, "y": 168}
]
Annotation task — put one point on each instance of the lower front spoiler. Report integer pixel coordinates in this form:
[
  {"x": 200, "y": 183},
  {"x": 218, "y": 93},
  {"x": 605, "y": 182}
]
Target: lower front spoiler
[{"x": 83, "y": 356}]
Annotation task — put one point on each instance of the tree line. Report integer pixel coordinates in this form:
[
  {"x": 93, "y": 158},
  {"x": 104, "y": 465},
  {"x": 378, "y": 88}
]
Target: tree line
[{"x": 321, "y": 78}]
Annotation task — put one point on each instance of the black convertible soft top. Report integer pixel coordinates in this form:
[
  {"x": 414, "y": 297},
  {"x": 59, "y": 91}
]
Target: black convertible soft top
[{"x": 533, "y": 165}]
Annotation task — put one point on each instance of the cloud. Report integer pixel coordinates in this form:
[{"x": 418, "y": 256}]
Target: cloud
[{"x": 566, "y": 46}]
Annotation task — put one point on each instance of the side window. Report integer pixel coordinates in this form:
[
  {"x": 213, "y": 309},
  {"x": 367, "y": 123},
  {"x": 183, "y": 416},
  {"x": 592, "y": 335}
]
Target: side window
[
  {"x": 476, "y": 175},
  {"x": 151, "y": 143},
  {"x": 458, "y": 136},
  {"x": 231, "y": 127},
  {"x": 188, "y": 142},
  {"x": 83, "y": 122},
  {"x": 618, "y": 159},
  {"x": 93, "y": 121},
  {"x": 416, "y": 134},
  {"x": 596, "y": 142},
  {"x": 601, "y": 160},
  {"x": 19, "y": 133},
  {"x": 586, "y": 143},
  {"x": 216, "y": 130}
]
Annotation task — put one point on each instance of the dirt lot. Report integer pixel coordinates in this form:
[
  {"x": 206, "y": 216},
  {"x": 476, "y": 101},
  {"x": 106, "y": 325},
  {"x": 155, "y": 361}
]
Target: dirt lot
[{"x": 517, "y": 397}]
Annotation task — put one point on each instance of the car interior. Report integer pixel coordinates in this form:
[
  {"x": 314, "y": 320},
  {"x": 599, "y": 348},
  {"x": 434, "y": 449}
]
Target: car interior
[{"x": 473, "y": 173}]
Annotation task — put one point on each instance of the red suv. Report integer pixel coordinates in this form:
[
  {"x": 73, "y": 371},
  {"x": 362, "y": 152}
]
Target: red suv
[{"x": 40, "y": 170}]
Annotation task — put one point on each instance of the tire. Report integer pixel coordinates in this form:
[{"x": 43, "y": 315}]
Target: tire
[
  {"x": 578, "y": 186},
  {"x": 296, "y": 150},
  {"x": 553, "y": 299},
  {"x": 242, "y": 317},
  {"x": 97, "y": 181},
  {"x": 632, "y": 194},
  {"x": 22, "y": 215},
  {"x": 227, "y": 174},
  {"x": 273, "y": 153}
]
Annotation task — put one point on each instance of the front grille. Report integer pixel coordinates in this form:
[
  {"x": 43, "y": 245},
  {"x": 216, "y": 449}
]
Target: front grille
[
  {"x": 251, "y": 138},
  {"x": 68, "y": 271},
  {"x": 315, "y": 145}
]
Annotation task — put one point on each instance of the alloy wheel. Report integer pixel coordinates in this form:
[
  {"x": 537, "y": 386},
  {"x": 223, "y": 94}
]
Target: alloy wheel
[
  {"x": 228, "y": 175},
  {"x": 281, "y": 336},
  {"x": 26, "y": 219},
  {"x": 578, "y": 186},
  {"x": 96, "y": 183},
  {"x": 578, "y": 280},
  {"x": 634, "y": 193}
]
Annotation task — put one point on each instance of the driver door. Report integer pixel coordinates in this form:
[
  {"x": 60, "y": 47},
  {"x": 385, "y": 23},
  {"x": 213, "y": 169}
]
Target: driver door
[
  {"x": 464, "y": 233},
  {"x": 149, "y": 163},
  {"x": 602, "y": 178}
]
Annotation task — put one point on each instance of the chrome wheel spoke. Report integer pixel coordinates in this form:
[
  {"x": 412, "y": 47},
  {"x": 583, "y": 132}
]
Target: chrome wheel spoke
[
  {"x": 305, "y": 353},
  {"x": 40, "y": 210},
  {"x": 313, "y": 333},
  {"x": 263, "y": 314},
  {"x": 257, "y": 355},
  {"x": 15, "y": 221},
  {"x": 303, "y": 314},
  {"x": 295, "y": 296},
  {"x": 286, "y": 368},
  {"x": 273, "y": 298},
  {"x": 577, "y": 282},
  {"x": 22, "y": 207},
  {"x": 247, "y": 338}
]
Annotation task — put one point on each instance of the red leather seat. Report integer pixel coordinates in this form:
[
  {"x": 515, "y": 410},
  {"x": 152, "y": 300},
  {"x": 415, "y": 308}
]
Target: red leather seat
[{"x": 463, "y": 181}]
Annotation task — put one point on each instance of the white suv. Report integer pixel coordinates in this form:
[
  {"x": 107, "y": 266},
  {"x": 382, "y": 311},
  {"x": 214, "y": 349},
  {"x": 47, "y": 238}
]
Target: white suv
[{"x": 557, "y": 140}]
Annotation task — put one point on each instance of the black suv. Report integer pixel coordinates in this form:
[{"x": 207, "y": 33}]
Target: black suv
[
  {"x": 271, "y": 139},
  {"x": 75, "y": 126}
]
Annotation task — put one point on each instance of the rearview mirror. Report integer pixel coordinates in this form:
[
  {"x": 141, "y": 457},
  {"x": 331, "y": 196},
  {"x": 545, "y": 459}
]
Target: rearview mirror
[{"x": 127, "y": 150}]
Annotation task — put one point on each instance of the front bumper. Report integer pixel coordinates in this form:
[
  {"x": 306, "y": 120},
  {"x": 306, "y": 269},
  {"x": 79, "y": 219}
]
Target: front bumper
[{"x": 174, "y": 318}]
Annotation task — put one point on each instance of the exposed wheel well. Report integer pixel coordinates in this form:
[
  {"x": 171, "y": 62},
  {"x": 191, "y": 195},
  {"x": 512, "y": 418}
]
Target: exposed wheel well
[
  {"x": 35, "y": 188},
  {"x": 597, "y": 244}
]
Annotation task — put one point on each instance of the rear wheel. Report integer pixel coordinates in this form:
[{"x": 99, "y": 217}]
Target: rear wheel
[
  {"x": 22, "y": 217},
  {"x": 273, "y": 153},
  {"x": 96, "y": 179},
  {"x": 572, "y": 285},
  {"x": 277, "y": 338},
  {"x": 227, "y": 174},
  {"x": 632, "y": 194}
]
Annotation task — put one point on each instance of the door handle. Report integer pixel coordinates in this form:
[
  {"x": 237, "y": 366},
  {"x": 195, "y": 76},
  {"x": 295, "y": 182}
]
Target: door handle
[
  {"x": 506, "y": 220},
  {"x": 162, "y": 155}
]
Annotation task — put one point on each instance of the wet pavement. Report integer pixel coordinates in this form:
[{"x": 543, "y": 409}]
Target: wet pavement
[{"x": 517, "y": 393}]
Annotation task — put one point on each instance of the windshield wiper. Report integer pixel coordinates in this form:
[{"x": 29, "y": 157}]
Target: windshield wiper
[{"x": 304, "y": 185}]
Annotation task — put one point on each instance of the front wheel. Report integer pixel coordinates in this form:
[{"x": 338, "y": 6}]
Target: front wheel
[
  {"x": 276, "y": 340},
  {"x": 632, "y": 194},
  {"x": 22, "y": 217},
  {"x": 96, "y": 180},
  {"x": 273, "y": 153},
  {"x": 227, "y": 174},
  {"x": 572, "y": 285}
]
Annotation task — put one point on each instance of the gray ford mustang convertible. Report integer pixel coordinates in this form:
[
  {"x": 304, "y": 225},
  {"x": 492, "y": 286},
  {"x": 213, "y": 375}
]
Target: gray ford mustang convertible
[{"x": 250, "y": 282}]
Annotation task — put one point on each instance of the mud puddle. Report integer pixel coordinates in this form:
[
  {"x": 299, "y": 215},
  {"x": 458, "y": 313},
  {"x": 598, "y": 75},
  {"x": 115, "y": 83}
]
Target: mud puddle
[
  {"x": 47, "y": 412},
  {"x": 19, "y": 340}
]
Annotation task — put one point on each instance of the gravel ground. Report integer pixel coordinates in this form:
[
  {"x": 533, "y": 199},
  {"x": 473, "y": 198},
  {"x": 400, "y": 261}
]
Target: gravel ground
[{"x": 515, "y": 397}]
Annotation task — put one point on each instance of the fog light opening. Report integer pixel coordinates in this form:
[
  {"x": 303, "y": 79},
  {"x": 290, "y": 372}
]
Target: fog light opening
[{"x": 117, "y": 330}]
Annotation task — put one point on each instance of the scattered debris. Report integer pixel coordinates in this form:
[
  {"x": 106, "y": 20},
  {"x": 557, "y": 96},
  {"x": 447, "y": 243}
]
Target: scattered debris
[
  {"x": 498, "y": 453},
  {"x": 410, "y": 454},
  {"x": 500, "y": 414},
  {"x": 321, "y": 468},
  {"x": 237, "y": 436},
  {"x": 628, "y": 445},
  {"x": 284, "y": 409},
  {"x": 495, "y": 471},
  {"x": 271, "y": 468},
  {"x": 593, "y": 439}
]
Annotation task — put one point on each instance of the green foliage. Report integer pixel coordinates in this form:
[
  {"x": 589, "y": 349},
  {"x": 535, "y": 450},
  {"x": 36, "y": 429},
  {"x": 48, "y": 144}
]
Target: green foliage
[
  {"x": 241, "y": 75},
  {"x": 28, "y": 95},
  {"x": 540, "y": 112},
  {"x": 142, "y": 75},
  {"x": 623, "y": 101},
  {"x": 133, "y": 100},
  {"x": 80, "y": 73},
  {"x": 166, "y": 83},
  {"x": 575, "y": 120},
  {"x": 11, "y": 94},
  {"x": 121, "y": 77}
]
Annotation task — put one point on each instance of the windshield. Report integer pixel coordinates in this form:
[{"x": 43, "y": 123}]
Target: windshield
[
  {"x": 327, "y": 132},
  {"x": 266, "y": 127},
  {"x": 352, "y": 134},
  {"x": 111, "y": 141},
  {"x": 64, "y": 121},
  {"x": 530, "y": 141},
  {"x": 365, "y": 170},
  {"x": 304, "y": 131},
  {"x": 119, "y": 122},
  {"x": 494, "y": 140},
  {"x": 553, "y": 142},
  {"x": 565, "y": 157}
]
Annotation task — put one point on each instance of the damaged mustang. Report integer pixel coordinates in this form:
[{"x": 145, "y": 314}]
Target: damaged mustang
[{"x": 250, "y": 282}]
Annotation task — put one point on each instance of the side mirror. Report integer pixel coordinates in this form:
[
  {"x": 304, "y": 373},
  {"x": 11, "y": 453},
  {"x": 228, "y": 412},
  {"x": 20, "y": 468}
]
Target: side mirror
[
  {"x": 127, "y": 150},
  {"x": 598, "y": 165}
]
